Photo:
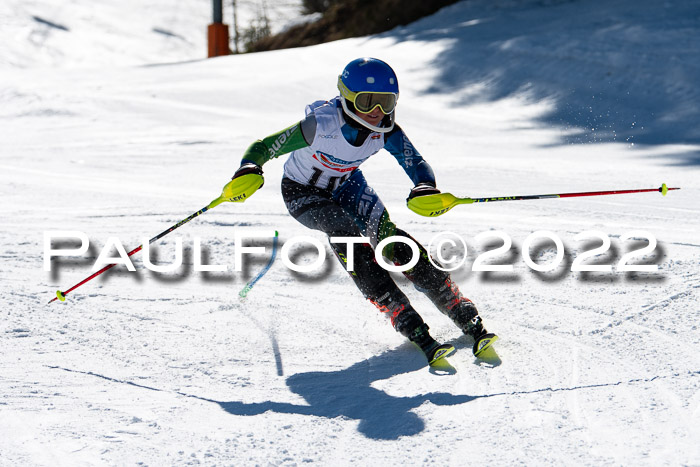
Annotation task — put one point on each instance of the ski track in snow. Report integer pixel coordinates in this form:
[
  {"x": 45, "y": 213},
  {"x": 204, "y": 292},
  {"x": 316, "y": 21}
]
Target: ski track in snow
[{"x": 174, "y": 368}]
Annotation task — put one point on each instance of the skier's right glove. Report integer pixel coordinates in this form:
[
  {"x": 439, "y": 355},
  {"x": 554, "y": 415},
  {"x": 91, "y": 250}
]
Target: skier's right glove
[
  {"x": 247, "y": 180},
  {"x": 248, "y": 168}
]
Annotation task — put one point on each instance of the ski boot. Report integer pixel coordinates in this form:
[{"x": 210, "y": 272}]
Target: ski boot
[
  {"x": 462, "y": 311},
  {"x": 407, "y": 322},
  {"x": 432, "y": 349},
  {"x": 482, "y": 339}
]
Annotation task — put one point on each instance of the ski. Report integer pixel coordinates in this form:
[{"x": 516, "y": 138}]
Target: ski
[
  {"x": 482, "y": 346},
  {"x": 439, "y": 353}
]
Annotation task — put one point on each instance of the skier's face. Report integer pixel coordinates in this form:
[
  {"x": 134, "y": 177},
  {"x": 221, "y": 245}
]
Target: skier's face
[{"x": 373, "y": 118}]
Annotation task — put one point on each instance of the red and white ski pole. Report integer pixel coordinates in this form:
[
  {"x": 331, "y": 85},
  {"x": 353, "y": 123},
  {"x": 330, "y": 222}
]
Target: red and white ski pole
[
  {"x": 439, "y": 203},
  {"x": 62, "y": 295},
  {"x": 237, "y": 190}
]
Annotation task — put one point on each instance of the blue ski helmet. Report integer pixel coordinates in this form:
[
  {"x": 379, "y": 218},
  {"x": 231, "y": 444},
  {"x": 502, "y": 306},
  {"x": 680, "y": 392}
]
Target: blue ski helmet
[{"x": 368, "y": 83}]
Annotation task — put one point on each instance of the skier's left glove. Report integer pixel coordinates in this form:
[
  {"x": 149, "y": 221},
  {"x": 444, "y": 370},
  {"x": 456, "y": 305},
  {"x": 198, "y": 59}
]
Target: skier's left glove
[{"x": 422, "y": 189}]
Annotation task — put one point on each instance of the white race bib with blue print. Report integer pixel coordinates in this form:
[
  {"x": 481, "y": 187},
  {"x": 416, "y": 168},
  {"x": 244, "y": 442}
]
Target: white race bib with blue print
[{"x": 331, "y": 158}]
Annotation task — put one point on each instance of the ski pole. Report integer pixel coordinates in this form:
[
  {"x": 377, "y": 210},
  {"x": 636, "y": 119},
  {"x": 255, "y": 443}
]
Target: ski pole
[
  {"x": 236, "y": 190},
  {"x": 62, "y": 295},
  {"x": 439, "y": 203},
  {"x": 244, "y": 292}
]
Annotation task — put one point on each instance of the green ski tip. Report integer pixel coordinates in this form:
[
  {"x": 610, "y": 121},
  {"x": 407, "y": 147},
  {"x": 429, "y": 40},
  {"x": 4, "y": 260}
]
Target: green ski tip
[
  {"x": 440, "y": 353},
  {"x": 483, "y": 344},
  {"x": 60, "y": 296}
]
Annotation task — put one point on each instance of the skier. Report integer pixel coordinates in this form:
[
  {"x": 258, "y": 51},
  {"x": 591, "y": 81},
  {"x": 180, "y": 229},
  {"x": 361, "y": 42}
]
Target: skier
[{"x": 324, "y": 189}]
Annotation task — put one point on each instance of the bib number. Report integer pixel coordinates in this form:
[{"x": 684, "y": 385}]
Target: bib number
[{"x": 332, "y": 181}]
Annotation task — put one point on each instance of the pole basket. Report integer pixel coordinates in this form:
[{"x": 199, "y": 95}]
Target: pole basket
[{"x": 217, "y": 39}]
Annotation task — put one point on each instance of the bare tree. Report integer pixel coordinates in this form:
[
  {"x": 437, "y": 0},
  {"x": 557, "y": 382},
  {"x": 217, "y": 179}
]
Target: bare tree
[{"x": 236, "y": 37}]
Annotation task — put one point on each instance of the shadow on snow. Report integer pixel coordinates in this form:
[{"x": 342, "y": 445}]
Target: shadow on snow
[
  {"x": 615, "y": 71},
  {"x": 348, "y": 393}
]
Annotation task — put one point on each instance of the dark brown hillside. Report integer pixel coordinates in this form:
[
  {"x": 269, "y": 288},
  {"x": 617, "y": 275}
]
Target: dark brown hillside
[{"x": 352, "y": 18}]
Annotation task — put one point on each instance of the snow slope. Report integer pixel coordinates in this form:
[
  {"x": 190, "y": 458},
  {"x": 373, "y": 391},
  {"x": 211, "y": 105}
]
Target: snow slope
[
  {"x": 84, "y": 33},
  {"x": 173, "y": 368}
]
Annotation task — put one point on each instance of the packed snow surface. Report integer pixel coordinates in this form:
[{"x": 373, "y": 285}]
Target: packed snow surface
[{"x": 501, "y": 97}]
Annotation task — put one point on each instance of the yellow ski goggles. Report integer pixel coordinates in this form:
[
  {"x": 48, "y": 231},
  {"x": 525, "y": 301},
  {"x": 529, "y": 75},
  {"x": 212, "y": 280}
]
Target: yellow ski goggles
[{"x": 366, "y": 102}]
